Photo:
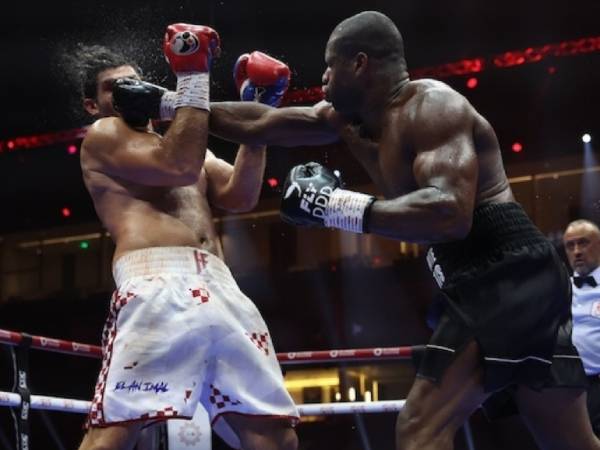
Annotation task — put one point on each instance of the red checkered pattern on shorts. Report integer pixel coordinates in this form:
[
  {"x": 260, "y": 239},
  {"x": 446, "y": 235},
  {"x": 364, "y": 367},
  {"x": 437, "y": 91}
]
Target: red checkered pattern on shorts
[
  {"x": 96, "y": 415},
  {"x": 220, "y": 400},
  {"x": 201, "y": 293},
  {"x": 165, "y": 412},
  {"x": 260, "y": 340}
]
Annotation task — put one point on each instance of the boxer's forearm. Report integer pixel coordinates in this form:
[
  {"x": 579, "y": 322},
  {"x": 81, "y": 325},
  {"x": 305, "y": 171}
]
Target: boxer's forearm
[
  {"x": 244, "y": 186},
  {"x": 427, "y": 215},
  {"x": 184, "y": 144},
  {"x": 257, "y": 124}
]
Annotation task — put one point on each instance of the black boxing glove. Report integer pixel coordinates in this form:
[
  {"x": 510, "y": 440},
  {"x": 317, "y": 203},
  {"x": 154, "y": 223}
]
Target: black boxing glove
[
  {"x": 138, "y": 101},
  {"x": 312, "y": 197}
]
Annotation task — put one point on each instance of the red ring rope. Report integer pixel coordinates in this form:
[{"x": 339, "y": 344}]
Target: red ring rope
[{"x": 349, "y": 355}]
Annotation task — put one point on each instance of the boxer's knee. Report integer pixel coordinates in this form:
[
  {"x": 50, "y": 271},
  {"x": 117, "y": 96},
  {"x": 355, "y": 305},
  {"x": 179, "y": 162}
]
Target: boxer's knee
[
  {"x": 287, "y": 439},
  {"x": 264, "y": 434},
  {"x": 414, "y": 430},
  {"x": 117, "y": 437},
  {"x": 98, "y": 443},
  {"x": 283, "y": 439}
]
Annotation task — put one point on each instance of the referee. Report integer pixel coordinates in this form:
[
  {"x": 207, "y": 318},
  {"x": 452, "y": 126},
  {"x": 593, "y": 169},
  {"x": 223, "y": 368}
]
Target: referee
[{"x": 582, "y": 245}]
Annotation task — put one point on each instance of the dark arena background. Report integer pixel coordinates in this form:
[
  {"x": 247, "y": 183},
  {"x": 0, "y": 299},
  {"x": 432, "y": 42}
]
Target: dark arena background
[{"x": 530, "y": 67}]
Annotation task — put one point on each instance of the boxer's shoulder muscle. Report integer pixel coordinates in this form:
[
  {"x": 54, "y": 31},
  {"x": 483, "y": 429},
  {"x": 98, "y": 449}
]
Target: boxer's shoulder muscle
[
  {"x": 436, "y": 113},
  {"x": 105, "y": 132},
  {"x": 434, "y": 100},
  {"x": 109, "y": 140}
]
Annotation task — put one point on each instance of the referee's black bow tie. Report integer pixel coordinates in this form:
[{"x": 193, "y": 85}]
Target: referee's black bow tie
[{"x": 580, "y": 281}]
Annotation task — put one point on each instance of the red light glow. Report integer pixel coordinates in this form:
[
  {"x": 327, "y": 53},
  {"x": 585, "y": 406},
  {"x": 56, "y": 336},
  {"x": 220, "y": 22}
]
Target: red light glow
[{"x": 472, "y": 83}]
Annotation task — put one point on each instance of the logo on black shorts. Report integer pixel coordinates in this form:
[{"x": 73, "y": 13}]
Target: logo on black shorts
[{"x": 435, "y": 267}]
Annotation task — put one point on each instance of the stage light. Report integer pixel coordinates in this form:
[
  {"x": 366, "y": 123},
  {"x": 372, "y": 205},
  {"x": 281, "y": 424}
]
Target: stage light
[
  {"x": 84, "y": 245},
  {"x": 586, "y": 138},
  {"x": 472, "y": 83},
  {"x": 66, "y": 212},
  {"x": 517, "y": 147},
  {"x": 352, "y": 394},
  {"x": 273, "y": 182},
  {"x": 72, "y": 149}
]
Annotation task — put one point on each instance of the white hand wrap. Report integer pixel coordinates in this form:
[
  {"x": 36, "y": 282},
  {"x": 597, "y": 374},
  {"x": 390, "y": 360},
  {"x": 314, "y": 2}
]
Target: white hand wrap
[
  {"x": 167, "y": 105},
  {"x": 346, "y": 210},
  {"x": 193, "y": 89}
]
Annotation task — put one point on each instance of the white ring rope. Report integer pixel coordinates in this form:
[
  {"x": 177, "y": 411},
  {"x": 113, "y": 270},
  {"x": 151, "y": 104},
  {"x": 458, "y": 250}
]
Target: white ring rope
[
  {"x": 328, "y": 409},
  {"x": 47, "y": 403},
  {"x": 310, "y": 409}
]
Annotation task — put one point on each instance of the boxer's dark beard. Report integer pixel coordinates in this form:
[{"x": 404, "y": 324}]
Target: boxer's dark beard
[{"x": 347, "y": 102}]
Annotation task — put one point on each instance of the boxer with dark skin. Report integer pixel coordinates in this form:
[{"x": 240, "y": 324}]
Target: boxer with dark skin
[{"x": 438, "y": 163}]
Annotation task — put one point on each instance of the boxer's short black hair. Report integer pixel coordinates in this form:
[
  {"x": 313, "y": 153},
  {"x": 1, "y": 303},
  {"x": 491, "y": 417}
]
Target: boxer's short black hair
[
  {"x": 370, "y": 32},
  {"x": 94, "y": 59}
]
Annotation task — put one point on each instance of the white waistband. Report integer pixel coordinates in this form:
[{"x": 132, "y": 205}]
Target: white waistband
[{"x": 157, "y": 260}]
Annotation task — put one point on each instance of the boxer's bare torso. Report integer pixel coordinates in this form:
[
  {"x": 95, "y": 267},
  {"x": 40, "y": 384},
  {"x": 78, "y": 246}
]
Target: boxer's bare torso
[
  {"x": 139, "y": 216},
  {"x": 414, "y": 127}
]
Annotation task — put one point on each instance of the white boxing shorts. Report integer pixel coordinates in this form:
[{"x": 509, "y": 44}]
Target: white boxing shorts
[{"x": 179, "y": 332}]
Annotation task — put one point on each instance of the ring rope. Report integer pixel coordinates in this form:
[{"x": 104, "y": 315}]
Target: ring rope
[
  {"x": 43, "y": 402},
  {"x": 287, "y": 358}
]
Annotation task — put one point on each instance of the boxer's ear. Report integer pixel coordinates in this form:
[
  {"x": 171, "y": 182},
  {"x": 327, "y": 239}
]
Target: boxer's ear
[
  {"x": 91, "y": 106},
  {"x": 361, "y": 62}
]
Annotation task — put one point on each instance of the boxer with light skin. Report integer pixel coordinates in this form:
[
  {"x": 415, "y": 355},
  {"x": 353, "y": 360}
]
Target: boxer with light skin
[{"x": 179, "y": 330}]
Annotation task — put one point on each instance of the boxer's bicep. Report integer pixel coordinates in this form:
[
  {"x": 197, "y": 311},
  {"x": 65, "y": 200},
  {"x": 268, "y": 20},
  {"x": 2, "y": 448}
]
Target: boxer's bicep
[
  {"x": 297, "y": 126},
  {"x": 451, "y": 169},
  {"x": 237, "y": 187},
  {"x": 445, "y": 171},
  {"x": 218, "y": 174},
  {"x": 445, "y": 155}
]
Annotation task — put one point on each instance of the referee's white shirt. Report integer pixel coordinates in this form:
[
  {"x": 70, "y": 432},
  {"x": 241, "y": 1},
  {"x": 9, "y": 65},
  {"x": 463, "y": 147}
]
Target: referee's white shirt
[{"x": 586, "y": 323}]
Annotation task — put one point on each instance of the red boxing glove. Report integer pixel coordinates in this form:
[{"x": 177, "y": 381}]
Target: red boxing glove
[
  {"x": 240, "y": 74},
  {"x": 261, "y": 77},
  {"x": 190, "y": 48}
]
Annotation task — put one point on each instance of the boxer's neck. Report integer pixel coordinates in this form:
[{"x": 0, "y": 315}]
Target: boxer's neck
[{"x": 383, "y": 93}]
